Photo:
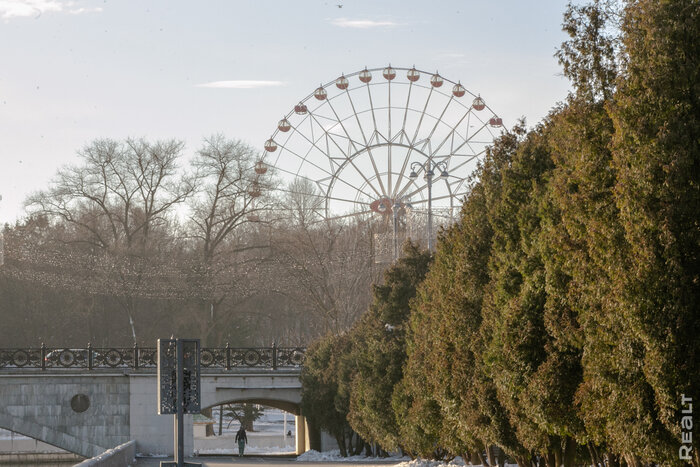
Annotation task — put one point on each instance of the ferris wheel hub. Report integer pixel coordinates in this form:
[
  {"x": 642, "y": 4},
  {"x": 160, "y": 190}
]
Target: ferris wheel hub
[{"x": 386, "y": 205}]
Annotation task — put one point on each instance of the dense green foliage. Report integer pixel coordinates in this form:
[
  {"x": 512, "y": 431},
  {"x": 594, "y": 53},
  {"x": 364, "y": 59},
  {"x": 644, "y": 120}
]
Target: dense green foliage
[
  {"x": 656, "y": 156},
  {"x": 324, "y": 397},
  {"x": 558, "y": 320},
  {"x": 379, "y": 340},
  {"x": 348, "y": 380}
]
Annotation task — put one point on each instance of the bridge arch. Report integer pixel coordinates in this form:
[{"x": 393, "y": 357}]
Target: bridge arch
[
  {"x": 281, "y": 391},
  {"x": 287, "y": 406}
]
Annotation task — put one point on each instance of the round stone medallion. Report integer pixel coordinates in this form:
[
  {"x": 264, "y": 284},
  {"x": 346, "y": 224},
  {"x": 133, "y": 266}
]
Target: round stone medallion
[{"x": 80, "y": 403}]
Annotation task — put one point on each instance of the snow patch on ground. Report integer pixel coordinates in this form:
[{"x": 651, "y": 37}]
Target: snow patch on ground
[
  {"x": 457, "y": 462},
  {"x": 249, "y": 450},
  {"x": 334, "y": 456},
  {"x": 398, "y": 461}
]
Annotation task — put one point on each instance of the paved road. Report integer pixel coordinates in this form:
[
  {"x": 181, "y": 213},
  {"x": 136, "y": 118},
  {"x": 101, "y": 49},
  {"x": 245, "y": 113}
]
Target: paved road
[{"x": 258, "y": 461}]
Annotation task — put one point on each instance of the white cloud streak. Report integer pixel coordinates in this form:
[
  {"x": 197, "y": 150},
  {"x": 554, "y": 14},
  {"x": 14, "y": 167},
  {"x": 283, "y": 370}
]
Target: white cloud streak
[
  {"x": 240, "y": 84},
  {"x": 35, "y": 8},
  {"x": 362, "y": 23},
  {"x": 80, "y": 11}
]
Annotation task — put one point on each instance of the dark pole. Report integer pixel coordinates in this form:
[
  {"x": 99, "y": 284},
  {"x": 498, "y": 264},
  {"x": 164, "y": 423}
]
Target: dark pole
[
  {"x": 179, "y": 425},
  {"x": 429, "y": 177},
  {"x": 274, "y": 355},
  {"x": 396, "y": 229},
  {"x": 221, "y": 418}
]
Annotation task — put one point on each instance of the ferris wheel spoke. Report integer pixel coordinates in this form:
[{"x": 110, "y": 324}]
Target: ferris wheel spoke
[
  {"x": 303, "y": 159},
  {"x": 311, "y": 141},
  {"x": 404, "y": 166},
  {"x": 345, "y": 200},
  {"x": 406, "y": 107},
  {"x": 468, "y": 159},
  {"x": 376, "y": 171},
  {"x": 399, "y": 193},
  {"x": 438, "y": 198},
  {"x": 470, "y": 154},
  {"x": 390, "y": 146},
  {"x": 420, "y": 121},
  {"x": 364, "y": 138},
  {"x": 450, "y": 134},
  {"x": 371, "y": 106},
  {"x": 349, "y": 157},
  {"x": 349, "y": 160},
  {"x": 439, "y": 119},
  {"x": 469, "y": 139},
  {"x": 357, "y": 118},
  {"x": 324, "y": 188},
  {"x": 329, "y": 136},
  {"x": 413, "y": 144},
  {"x": 352, "y": 214},
  {"x": 461, "y": 182},
  {"x": 409, "y": 180},
  {"x": 418, "y": 189},
  {"x": 351, "y": 141},
  {"x": 351, "y": 186}
]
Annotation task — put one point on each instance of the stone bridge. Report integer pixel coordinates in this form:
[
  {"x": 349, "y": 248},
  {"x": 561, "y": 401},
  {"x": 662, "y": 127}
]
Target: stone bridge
[{"x": 89, "y": 400}]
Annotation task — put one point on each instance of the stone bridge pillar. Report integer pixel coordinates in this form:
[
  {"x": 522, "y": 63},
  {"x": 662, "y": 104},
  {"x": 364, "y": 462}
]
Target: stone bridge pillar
[{"x": 302, "y": 434}]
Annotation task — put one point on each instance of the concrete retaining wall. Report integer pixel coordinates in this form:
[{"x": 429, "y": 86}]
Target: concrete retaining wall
[
  {"x": 154, "y": 432},
  {"x": 121, "y": 456},
  {"x": 44, "y": 407}
]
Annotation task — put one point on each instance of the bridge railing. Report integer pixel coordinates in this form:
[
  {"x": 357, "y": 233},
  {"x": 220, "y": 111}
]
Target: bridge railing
[{"x": 136, "y": 357}]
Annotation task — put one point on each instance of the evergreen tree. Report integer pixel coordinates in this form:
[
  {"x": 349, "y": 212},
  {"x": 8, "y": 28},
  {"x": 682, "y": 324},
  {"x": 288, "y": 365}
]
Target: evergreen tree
[
  {"x": 380, "y": 349},
  {"x": 656, "y": 155},
  {"x": 420, "y": 420},
  {"x": 324, "y": 396},
  {"x": 452, "y": 295},
  {"x": 536, "y": 375},
  {"x": 582, "y": 247},
  {"x": 589, "y": 58}
]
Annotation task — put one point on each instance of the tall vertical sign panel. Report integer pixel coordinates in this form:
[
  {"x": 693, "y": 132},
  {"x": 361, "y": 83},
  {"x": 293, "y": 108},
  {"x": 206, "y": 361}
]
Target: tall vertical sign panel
[
  {"x": 167, "y": 376},
  {"x": 192, "y": 400}
]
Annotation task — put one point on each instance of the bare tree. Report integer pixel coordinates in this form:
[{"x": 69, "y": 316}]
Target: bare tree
[
  {"x": 233, "y": 192},
  {"x": 303, "y": 203},
  {"x": 113, "y": 202},
  {"x": 328, "y": 265}
]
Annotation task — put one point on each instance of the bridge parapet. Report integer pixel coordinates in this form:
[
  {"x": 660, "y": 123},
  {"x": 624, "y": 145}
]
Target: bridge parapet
[{"x": 222, "y": 358}]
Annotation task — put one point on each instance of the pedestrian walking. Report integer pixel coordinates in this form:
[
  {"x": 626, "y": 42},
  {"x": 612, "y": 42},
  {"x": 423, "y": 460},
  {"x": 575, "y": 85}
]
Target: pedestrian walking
[{"x": 242, "y": 440}]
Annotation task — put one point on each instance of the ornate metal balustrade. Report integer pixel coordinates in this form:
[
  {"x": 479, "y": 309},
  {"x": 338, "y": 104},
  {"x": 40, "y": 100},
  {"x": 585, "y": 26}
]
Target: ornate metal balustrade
[{"x": 136, "y": 357}]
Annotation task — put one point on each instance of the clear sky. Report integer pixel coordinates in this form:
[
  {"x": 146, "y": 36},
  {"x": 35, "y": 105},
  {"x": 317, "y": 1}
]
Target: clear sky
[{"x": 74, "y": 71}]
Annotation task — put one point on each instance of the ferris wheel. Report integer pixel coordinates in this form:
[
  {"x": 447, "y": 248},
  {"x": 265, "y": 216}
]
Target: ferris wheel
[{"x": 367, "y": 141}]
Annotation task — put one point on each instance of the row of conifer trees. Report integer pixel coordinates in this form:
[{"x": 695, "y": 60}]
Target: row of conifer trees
[{"x": 558, "y": 320}]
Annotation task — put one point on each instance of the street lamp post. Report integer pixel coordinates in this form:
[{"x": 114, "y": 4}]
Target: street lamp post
[{"x": 429, "y": 167}]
